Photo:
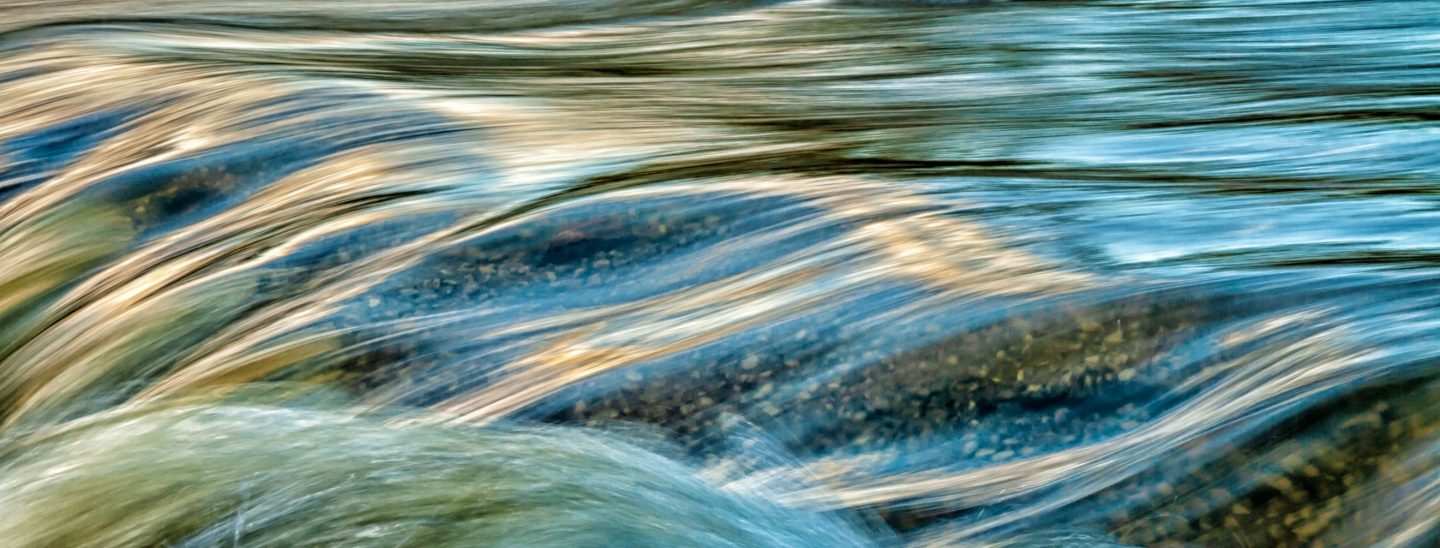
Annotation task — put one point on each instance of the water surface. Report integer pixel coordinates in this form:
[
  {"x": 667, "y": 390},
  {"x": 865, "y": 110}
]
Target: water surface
[{"x": 727, "y": 273}]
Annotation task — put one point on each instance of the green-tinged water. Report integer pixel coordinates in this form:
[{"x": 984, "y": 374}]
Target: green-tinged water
[
  {"x": 675, "y": 273},
  {"x": 208, "y": 473}
]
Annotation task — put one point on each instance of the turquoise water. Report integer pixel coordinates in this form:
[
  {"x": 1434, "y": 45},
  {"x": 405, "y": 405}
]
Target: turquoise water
[{"x": 730, "y": 273}]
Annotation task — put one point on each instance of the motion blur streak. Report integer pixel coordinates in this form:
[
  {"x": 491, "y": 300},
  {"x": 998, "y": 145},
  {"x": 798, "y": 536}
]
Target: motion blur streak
[{"x": 785, "y": 273}]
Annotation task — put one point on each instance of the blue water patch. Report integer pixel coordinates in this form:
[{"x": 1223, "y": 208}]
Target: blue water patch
[
  {"x": 18, "y": 75},
  {"x": 35, "y": 156}
]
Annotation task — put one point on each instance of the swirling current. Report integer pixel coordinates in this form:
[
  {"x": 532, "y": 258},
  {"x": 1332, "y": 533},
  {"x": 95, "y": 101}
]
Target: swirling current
[{"x": 736, "y": 273}]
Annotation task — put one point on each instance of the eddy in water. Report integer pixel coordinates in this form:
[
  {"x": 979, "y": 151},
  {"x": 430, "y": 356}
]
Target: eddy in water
[{"x": 684, "y": 273}]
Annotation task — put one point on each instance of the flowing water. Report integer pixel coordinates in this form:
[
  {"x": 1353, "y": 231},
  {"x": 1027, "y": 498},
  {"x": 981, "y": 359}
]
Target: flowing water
[{"x": 683, "y": 273}]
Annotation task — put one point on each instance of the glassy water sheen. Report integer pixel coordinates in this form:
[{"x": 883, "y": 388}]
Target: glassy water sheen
[{"x": 683, "y": 273}]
